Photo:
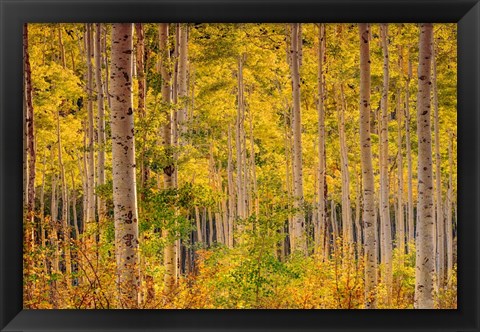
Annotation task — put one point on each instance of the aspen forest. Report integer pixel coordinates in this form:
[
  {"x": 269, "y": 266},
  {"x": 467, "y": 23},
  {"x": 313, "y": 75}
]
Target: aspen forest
[{"x": 240, "y": 166}]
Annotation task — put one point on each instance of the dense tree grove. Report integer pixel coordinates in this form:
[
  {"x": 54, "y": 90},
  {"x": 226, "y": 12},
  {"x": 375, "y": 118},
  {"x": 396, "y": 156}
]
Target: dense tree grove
[{"x": 240, "y": 166}]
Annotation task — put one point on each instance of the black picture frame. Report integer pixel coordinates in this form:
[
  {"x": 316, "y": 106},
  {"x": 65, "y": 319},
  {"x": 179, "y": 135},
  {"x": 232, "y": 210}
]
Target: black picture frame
[{"x": 13, "y": 13}]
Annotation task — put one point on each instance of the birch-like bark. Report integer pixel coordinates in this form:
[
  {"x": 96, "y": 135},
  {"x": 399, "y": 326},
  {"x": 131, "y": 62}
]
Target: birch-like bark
[
  {"x": 400, "y": 213},
  {"x": 299, "y": 240},
  {"x": 358, "y": 227},
  {"x": 385, "y": 222},
  {"x": 240, "y": 148},
  {"x": 182, "y": 80},
  {"x": 90, "y": 220},
  {"x": 321, "y": 224},
  {"x": 231, "y": 190},
  {"x": 64, "y": 217},
  {"x": 74, "y": 209},
  {"x": 123, "y": 166},
  {"x": 100, "y": 121},
  {"x": 347, "y": 232},
  {"x": 410, "y": 223},
  {"x": 31, "y": 156},
  {"x": 440, "y": 221},
  {"x": 30, "y": 129},
  {"x": 169, "y": 252},
  {"x": 425, "y": 256},
  {"x": 367, "y": 169},
  {"x": 449, "y": 224}
]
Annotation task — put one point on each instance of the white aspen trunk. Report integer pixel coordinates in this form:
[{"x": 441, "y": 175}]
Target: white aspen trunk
[
  {"x": 74, "y": 209},
  {"x": 358, "y": 228},
  {"x": 410, "y": 223},
  {"x": 64, "y": 217},
  {"x": 288, "y": 180},
  {"x": 231, "y": 191},
  {"x": 30, "y": 130},
  {"x": 425, "y": 256},
  {"x": 400, "y": 215},
  {"x": 107, "y": 73},
  {"x": 90, "y": 221},
  {"x": 182, "y": 79},
  {"x": 440, "y": 221},
  {"x": 241, "y": 209},
  {"x": 42, "y": 204},
  {"x": 377, "y": 232},
  {"x": 53, "y": 232},
  {"x": 123, "y": 166},
  {"x": 367, "y": 169},
  {"x": 299, "y": 240},
  {"x": 100, "y": 122},
  {"x": 224, "y": 210},
  {"x": 333, "y": 217},
  {"x": 218, "y": 224},
  {"x": 168, "y": 171},
  {"x": 43, "y": 240},
  {"x": 449, "y": 224},
  {"x": 198, "y": 225},
  {"x": 174, "y": 113},
  {"x": 384, "y": 203},
  {"x": 321, "y": 224},
  {"x": 347, "y": 231}
]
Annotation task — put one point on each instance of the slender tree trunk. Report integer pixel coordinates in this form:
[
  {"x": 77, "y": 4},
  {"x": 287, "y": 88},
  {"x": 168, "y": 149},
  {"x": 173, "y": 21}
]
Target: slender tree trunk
[
  {"x": 241, "y": 209},
  {"x": 74, "y": 209},
  {"x": 346, "y": 210},
  {"x": 182, "y": 80},
  {"x": 333, "y": 217},
  {"x": 385, "y": 222},
  {"x": 367, "y": 169},
  {"x": 411, "y": 226},
  {"x": 321, "y": 224},
  {"x": 107, "y": 66},
  {"x": 53, "y": 241},
  {"x": 169, "y": 251},
  {"x": 440, "y": 222},
  {"x": 42, "y": 203},
  {"x": 64, "y": 218},
  {"x": 25, "y": 139},
  {"x": 400, "y": 215},
  {"x": 358, "y": 228},
  {"x": 43, "y": 240},
  {"x": 31, "y": 154},
  {"x": 449, "y": 224},
  {"x": 90, "y": 220},
  {"x": 123, "y": 166},
  {"x": 425, "y": 257},
  {"x": 210, "y": 227},
  {"x": 53, "y": 231},
  {"x": 299, "y": 240},
  {"x": 198, "y": 224},
  {"x": 100, "y": 122},
  {"x": 231, "y": 191}
]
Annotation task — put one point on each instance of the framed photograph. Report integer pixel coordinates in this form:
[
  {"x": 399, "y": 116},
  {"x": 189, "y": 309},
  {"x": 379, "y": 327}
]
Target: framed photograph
[{"x": 227, "y": 165}]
